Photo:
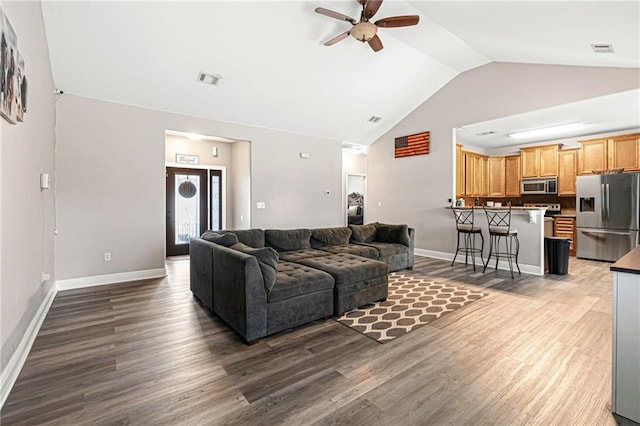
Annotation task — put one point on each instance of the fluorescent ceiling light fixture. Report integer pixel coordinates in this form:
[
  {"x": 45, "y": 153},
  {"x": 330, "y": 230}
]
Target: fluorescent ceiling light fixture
[{"x": 546, "y": 131}]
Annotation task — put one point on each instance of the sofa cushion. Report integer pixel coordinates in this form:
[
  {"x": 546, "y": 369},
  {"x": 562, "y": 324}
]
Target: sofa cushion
[
  {"x": 267, "y": 260},
  {"x": 323, "y": 237},
  {"x": 223, "y": 239},
  {"x": 363, "y": 233},
  {"x": 387, "y": 249},
  {"x": 294, "y": 280},
  {"x": 355, "y": 249},
  {"x": 250, "y": 237},
  {"x": 294, "y": 255},
  {"x": 288, "y": 239},
  {"x": 392, "y": 234},
  {"x": 347, "y": 269}
]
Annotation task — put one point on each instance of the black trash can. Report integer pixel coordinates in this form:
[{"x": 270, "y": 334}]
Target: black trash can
[{"x": 557, "y": 254}]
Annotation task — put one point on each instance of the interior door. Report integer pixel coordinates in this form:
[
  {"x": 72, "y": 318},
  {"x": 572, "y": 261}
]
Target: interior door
[{"x": 187, "y": 216}]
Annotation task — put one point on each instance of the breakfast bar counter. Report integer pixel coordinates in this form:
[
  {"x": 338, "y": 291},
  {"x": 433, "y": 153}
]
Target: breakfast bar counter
[{"x": 529, "y": 221}]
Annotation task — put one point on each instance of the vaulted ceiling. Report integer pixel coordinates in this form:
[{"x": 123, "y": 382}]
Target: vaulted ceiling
[{"x": 276, "y": 73}]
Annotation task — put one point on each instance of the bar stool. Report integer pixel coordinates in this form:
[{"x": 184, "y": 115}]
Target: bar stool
[
  {"x": 466, "y": 228},
  {"x": 500, "y": 228}
]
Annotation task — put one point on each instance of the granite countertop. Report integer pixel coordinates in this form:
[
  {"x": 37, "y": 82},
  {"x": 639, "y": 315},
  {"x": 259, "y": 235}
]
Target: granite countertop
[
  {"x": 501, "y": 207},
  {"x": 629, "y": 263}
]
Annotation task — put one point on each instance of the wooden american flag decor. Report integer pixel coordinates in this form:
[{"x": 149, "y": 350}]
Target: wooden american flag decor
[{"x": 417, "y": 144}]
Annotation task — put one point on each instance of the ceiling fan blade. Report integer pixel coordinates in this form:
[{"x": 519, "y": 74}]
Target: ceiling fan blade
[
  {"x": 336, "y": 15},
  {"x": 371, "y": 7},
  {"x": 398, "y": 21},
  {"x": 376, "y": 43},
  {"x": 338, "y": 38}
]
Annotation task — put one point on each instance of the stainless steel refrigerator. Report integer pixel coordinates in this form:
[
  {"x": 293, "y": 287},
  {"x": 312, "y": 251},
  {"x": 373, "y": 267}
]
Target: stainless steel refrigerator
[{"x": 607, "y": 215}]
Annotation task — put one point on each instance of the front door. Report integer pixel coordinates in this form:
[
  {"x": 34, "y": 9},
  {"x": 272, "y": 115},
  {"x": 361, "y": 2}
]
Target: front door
[{"x": 187, "y": 216}]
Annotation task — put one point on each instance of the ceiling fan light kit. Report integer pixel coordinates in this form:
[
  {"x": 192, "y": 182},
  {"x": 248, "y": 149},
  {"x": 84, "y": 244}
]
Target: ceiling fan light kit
[{"x": 364, "y": 30}]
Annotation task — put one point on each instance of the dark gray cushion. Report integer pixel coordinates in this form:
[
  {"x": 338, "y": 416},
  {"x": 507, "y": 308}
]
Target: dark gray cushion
[
  {"x": 295, "y": 280},
  {"x": 356, "y": 249},
  {"x": 223, "y": 239},
  {"x": 323, "y": 237},
  {"x": 392, "y": 234},
  {"x": 250, "y": 237},
  {"x": 347, "y": 269},
  {"x": 363, "y": 233},
  {"x": 267, "y": 260},
  {"x": 387, "y": 249},
  {"x": 294, "y": 255},
  {"x": 288, "y": 239}
]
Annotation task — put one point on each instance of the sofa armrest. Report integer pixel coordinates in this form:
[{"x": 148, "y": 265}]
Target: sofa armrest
[
  {"x": 201, "y": 270},
  {"x": 239, "y": 297},
  {"x": 412, "y": 241}
]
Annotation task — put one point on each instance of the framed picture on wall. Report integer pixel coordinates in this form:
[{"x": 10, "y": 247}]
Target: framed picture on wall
[{"x": 8, "y": 70}]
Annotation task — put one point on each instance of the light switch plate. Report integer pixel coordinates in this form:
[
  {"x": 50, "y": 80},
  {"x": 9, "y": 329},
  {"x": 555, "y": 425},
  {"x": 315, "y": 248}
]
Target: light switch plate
[{"x": 261, "y": 205}]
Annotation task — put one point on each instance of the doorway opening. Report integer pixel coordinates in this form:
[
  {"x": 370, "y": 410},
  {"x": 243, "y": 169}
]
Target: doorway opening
[{"x": 356, "y": 189}]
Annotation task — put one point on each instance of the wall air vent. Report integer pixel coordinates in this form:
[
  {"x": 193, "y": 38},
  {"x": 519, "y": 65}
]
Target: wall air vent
[
  {"x": 603, "y": 48},
  {"x": 373, "y": 119},
  {"x": 485, "y": 133},
  {"x": 212, "y": 79}
]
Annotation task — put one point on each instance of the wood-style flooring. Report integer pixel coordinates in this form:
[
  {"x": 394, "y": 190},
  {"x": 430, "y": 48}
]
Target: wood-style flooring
[{"x": 534, "y": 351}]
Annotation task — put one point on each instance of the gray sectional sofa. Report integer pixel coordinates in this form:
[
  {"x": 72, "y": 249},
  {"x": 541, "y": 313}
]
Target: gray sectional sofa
[{"x": 261, "y": 282}]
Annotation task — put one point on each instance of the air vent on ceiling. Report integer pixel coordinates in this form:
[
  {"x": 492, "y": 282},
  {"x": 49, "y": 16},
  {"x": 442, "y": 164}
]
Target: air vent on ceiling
[
  {"x": 485, "y": 133},
  {"x": 603, "y": 48},
  {"x": 212, "y": 79},
  {"x": 374, "y": 119}
]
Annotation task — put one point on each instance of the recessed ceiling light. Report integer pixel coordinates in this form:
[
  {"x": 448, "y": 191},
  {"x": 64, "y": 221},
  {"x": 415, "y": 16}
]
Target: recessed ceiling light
[
  {"x": 546, "y": 131},
  {"x": 485, "y": 133},
  {"x": 603, "y": 48},
  {"x": 374, "y": 119},
  {"x": 212, "y": 79}
]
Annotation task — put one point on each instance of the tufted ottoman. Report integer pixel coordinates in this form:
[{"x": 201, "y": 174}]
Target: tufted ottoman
[{"x": 358, "y": 280}]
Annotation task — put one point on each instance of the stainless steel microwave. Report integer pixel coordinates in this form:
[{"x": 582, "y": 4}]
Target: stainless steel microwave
[{"x": 547, "y": 185}]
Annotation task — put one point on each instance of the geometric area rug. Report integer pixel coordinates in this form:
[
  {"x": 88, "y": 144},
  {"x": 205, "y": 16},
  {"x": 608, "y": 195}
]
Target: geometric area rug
[{"x": 413, "y": 302}]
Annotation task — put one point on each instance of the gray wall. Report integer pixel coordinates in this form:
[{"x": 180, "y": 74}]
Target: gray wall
[
  {"x": 241, "y": 186},
  {"x": 27, "y": 148},
  {"x": 415, "y": 190},
  {"x": 110, "y": 165}
]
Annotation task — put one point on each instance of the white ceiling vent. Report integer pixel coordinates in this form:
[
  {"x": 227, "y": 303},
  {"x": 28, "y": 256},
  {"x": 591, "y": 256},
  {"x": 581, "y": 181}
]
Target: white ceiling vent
[
  {"x": 603, "y": 48},
  {"x": 212, "y": 79},
  {"x": 374, "y": 119},
  {"x": 485, "y": 133}
]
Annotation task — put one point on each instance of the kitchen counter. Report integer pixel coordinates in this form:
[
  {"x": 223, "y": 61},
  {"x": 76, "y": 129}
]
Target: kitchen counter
[
  {"x": 530, "y": 224},
  {"x": 629, "y": 263}
]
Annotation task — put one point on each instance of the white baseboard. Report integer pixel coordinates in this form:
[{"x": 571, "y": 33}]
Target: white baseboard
[
  {"x": 12, "y": 370},
  {"x": 526, "y": 269},
  {"x": 95, "y": 280}
]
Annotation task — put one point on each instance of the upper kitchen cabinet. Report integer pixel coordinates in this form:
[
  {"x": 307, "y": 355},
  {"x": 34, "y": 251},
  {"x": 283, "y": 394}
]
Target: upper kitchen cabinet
[
  {"x": 512, "y": 176},
  {"x": 539, "y": 161},
  {"x": 598, "y": 155},
  {"x": 624, "y": 152},
  {"x": 496, "y": 176},
  {"x": 476, "y": 174},
  {"x": 567, "y": 170}
]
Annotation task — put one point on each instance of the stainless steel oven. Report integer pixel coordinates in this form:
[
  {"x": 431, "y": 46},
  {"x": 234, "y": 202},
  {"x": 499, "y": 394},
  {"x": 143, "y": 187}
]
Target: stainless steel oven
[{"x": 547, "y": 185}]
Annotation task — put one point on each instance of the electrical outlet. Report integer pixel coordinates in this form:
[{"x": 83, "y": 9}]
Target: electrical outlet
[
  {"x": 107, "y": 257},
  {"x": 45, "y": 277},
  {"x": 241, "y": 218},
  {"x": 379, "y": 203}
]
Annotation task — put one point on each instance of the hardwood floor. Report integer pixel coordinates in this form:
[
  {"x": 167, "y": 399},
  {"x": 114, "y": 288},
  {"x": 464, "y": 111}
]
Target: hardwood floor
[{"x": 534, "y": 351}]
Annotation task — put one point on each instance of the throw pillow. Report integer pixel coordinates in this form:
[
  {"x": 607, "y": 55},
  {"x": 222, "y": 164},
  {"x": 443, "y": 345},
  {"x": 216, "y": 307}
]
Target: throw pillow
[
  {"x": 398, "y": 234},
  {"x": 226, "y": 240},
  {"x": 323, "y": 237},
  {"x": 267, "y": 260},
  {"x": 363, "y": 233},
  {"x": 288, "y": 239}
]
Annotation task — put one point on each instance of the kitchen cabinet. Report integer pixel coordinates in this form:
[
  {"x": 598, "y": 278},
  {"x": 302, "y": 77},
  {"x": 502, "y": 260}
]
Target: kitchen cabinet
[
  {"x": 459, "y": 171},
  {"x": 610, "y": 153},
  {"x": 565, "y": 227},
  {"x": 476, "y": 174},
  {"x": 624, "y": 152},
  {"x": 539, "y": 161},
  {"x": 567, "y": 171},
  {"x": 496, "y": 177},
  {"x": 512, "y": 176}
]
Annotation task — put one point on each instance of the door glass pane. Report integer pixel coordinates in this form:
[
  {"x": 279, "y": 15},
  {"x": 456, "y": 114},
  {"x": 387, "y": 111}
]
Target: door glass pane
[
  {"x": 215, "y": 203},
  {"x": 187, "y": 207}
]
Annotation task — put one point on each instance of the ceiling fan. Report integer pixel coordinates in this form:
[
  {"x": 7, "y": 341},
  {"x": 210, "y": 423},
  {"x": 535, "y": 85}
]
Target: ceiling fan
[{"x": 364, "y": 30}]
